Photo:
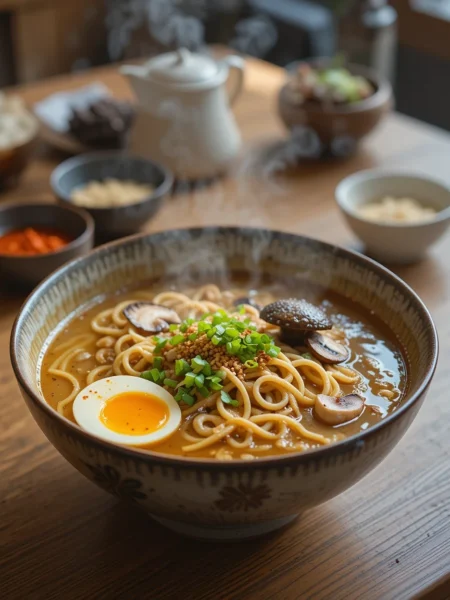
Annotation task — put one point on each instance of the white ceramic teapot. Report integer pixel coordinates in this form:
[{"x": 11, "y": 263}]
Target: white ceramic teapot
[{"x": 184, "y": 120}]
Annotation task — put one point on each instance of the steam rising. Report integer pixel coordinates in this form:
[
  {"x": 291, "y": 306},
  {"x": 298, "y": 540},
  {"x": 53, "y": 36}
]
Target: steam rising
[
  {"x": 172, "y": 24},
  {"x": 253, "y": 195}
]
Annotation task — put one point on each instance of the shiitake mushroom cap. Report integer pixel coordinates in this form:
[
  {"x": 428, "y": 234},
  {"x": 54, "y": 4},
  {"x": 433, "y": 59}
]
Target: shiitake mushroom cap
[
  {"x": 149, "y": 317},
  {"x": 326, "y": 349},
  {"x": 296, "y": 315},
  {"x": 296, "y": 318}
]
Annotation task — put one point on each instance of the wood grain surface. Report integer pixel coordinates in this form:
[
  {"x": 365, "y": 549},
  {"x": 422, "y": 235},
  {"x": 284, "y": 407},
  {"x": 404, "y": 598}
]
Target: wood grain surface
[{"x": 386, "y": 538}]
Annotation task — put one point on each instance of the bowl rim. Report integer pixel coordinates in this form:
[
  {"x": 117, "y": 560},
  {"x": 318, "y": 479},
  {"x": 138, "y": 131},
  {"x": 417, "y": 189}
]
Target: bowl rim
[
  {"x": 75, "y": 243},
  {"x": 91, "y": 157},
  {"x": 383, "y": 92},
  {"x": 32, "y": 137},
  {"x": 348, "y": 444},
  {"x": 364, "y": 175}
]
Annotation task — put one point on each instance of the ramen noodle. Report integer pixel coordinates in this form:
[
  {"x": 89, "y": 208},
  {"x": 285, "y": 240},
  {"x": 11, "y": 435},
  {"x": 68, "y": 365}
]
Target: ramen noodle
[{"x": 243, "y": 390}]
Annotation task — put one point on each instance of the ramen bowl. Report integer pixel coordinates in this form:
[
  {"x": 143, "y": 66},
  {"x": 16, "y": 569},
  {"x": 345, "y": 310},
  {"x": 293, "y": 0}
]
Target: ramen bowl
[{"x": 207, "y": 498}]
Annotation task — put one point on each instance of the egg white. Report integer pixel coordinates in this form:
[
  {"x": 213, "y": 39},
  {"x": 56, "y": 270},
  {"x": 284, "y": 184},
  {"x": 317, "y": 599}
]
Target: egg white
[{"x": 88, "y": 405}]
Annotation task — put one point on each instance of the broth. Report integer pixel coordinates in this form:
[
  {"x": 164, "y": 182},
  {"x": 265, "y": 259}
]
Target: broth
[{"x": 374, "y": 355}]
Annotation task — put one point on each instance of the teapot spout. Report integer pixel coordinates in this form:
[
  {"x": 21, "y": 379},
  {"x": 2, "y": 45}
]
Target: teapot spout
[
  {"x": 133, "y": 71},
  {"x": 136, "y": 76}
]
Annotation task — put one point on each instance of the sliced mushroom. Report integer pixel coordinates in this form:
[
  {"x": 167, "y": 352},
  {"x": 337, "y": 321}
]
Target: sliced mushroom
[
  {"x": 295, "y": 318},
  {"x": 334, "y": 410},
  {"x": 326, "y": 349},
  {"x": 249, "y": 301},
  {"x": 149, "y": 317}
]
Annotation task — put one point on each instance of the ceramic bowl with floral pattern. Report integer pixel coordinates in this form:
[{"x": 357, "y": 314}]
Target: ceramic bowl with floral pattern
[{"x": 206, "y": 497}]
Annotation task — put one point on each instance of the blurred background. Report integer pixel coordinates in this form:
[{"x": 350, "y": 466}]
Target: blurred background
[{"x": 404, "y": 40}]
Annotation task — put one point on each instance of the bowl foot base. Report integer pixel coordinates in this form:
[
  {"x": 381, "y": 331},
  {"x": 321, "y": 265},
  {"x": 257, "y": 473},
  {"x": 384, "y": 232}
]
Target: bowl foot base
[{"x": 225, "y": 534}]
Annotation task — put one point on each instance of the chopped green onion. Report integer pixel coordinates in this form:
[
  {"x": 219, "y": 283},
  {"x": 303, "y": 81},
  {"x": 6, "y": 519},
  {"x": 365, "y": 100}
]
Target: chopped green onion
[
  {"x": 219, "y": 317},
  {"x": 189, "y": 380},
  {"x": 307, "y": 355},
  {"x": 251, "y": 364},
  {"x": 273, "y": 351},
  {"x": 181, "y": 367},
  {"x": 231, "y": 332},
  {"x": 193, "y": 337},
  {"x": 204, "y": 391},
  {"x": 199, "y": 380},
  {"x": 173, "y": 327},
  {"x": 159, "y": 347},
  {"x": 207, "y": 370},
  {"x": 179, "y": 394},
  {"x": 155, "y": 374},
  {"x": 210, "y": 332},
  {"x": 229, "y": 348},
  {"x": 172, "y": 383},
  {"x": 158, "y": 362},
  {"x": 216, "y": 340},
  {"x": 198, "y": 364},
  {"x": 215, "y": 386},
  {"x": 188, "y": 399},
  {"x": 227, "y": 399},
  {"x": 177, "y": 339}
]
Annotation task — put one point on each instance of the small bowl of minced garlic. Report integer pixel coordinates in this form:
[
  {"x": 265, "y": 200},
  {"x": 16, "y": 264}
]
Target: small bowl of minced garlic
[
  {"x": 120, "y": 191},
  {"x": 397, "y": 216}
]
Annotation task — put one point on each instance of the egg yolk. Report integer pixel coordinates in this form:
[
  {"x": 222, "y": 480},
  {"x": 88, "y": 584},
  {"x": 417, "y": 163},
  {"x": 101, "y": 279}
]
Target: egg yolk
[{"x": 134, "y": 413}]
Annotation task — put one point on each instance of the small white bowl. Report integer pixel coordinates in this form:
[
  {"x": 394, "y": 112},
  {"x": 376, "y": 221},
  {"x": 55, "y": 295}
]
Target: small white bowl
[{"x": 393, "y": 242}]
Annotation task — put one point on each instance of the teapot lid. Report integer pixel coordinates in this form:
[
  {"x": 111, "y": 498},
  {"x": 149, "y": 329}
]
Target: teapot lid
[{"x": 182, "y": 67}]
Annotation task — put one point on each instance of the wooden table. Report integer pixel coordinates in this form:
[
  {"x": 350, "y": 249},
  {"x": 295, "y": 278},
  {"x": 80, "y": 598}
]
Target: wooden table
[{"x": 386, "y": 538}]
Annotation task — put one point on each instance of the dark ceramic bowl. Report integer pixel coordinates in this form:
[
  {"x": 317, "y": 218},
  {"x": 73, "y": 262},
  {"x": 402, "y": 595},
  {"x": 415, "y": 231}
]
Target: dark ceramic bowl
[
  {"x": 340, "y": 127},
  {"x": 28, "y": 271},
  {"x": 204, "y": 497},
  {"x": 96, "y": 166}
]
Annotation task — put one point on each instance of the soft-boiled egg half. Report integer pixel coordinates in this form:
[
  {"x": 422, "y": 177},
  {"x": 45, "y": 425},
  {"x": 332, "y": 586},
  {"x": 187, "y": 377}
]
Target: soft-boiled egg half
[{"x": 127, "y": 410}]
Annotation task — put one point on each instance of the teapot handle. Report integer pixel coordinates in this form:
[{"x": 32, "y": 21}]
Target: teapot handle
[{"x": 237, "y": 64}]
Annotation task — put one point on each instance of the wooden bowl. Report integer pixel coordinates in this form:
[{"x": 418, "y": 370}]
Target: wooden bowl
[
  {"x": 205, "y": 497},
  {"x": 338, "y": 126}
]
